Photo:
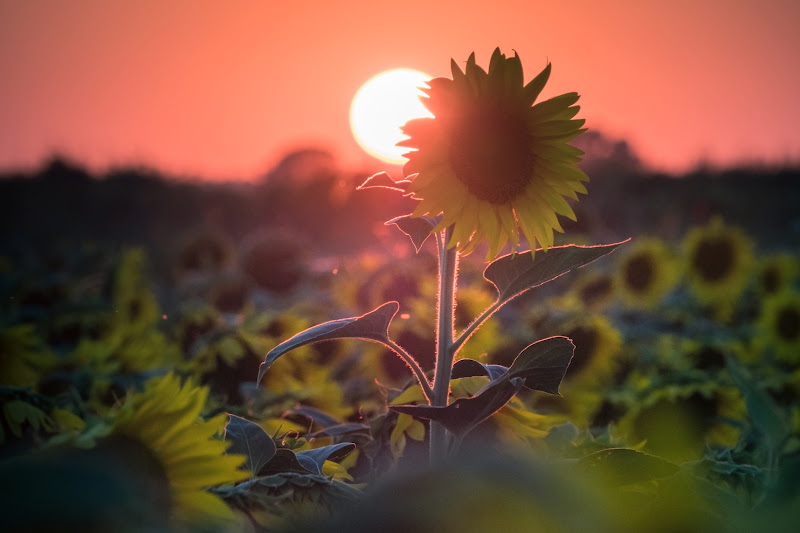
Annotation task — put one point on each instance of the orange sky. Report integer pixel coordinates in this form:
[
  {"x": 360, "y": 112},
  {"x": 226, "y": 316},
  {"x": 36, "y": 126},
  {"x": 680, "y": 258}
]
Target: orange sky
[{"x": 222, "y": 89}]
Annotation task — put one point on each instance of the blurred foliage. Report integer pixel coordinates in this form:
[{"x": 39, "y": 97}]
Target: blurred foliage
[{"x": 672, "y": 415}]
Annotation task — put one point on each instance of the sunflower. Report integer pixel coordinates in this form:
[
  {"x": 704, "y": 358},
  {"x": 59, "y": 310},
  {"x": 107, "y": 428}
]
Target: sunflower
[
  {"x": 597, "y": 357},
  {"x": 490, "y": 161},
  {"x": 274, "y": 260},
  {"x": 165, "y": 420},
  {"x": 203, "y": 252},
  {"x": 592, "y": 290},
  {"x": 597, "y": 347},
  {"x": 677, "y": 422},
  {"x": 25, "y": 358},
  {"x": 646, "y": 273},
  {"x": 780, "y": 324},
  {"x": 776, "y": 272},
  {"x": 718, "y": 265}
]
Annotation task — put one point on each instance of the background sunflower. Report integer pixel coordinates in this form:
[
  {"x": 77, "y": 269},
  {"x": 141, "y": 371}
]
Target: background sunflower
[
  {"x": 717, "y": 263},
  {"x": 647, "y": 271}
]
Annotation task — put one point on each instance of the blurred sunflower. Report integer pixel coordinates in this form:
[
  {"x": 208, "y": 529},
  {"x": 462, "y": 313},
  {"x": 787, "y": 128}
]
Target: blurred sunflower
[
  {"x": 594, "y": 363},
  {"x": 678, "y": 421},
  {"x": 203, "y": 252},
  {"x": 23, "y": 356},
  {"x": 592, "y": 290},
  {"x": 776, "y": 272},
  {"x": 229, "y": 293},
  {"x": 780, "y": 324},
  {"x": 646, "y": 273},
  {"x": 597, "y": 345},
  {"x": 491, "y": 161},
  {"x": 276, "y": 261},
  {"x": 165, "y": 421},
  {"x": 718, "y": 261}
]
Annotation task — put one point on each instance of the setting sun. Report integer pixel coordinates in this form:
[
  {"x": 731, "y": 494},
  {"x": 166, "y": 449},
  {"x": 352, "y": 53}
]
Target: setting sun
[{"x": 381, "y": 106}]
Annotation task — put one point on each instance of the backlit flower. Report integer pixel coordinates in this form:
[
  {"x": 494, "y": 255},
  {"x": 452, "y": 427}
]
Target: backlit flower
[{"x": 491, "y": 161}]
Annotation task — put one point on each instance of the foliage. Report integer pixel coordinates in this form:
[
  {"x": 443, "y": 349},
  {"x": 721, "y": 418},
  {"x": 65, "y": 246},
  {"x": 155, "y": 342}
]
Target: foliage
[{"x": 132, "y": 396}]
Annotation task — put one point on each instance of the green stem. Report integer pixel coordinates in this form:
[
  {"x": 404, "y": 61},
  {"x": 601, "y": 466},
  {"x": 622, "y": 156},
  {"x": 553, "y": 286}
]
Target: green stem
[
  {"x": 448, "y": 267},
  {"x": 412, "y": 363}
]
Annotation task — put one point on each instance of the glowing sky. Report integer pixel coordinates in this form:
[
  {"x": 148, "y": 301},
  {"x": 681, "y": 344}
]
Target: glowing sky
[{"x": 222, "y": 89}]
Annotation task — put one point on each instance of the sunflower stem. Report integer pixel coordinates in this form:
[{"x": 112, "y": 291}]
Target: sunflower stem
[{"x": 448, "y": 268}]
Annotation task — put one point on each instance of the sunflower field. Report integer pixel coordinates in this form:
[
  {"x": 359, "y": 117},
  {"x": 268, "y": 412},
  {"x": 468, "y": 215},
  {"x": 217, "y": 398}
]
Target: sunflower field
[{"x": 263, "y": 357}]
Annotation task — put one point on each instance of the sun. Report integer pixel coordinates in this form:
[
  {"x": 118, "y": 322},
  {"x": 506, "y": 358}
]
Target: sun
[{"x": 381, "y": 106}]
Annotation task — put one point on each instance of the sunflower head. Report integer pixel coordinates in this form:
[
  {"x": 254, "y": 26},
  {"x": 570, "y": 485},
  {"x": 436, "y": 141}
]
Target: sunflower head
[
  {"x": 164, "y": 420},
  {"x": 718, "y": 265},
  {"x": 779, "y": 322},
  {"x": 646, "y": 273},
  {"x": 490, "y": 161}
]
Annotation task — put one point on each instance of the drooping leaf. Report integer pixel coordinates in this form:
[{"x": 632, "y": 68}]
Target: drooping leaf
[
  {"x": 249, "y": 439},
  {"x": 418, "y": 229},
  {"x": 384, "y": 181},
  {"x": 761, "y": 409},
  {"x": 623, "y": 466},
  {"x": 514, "y": 274},
  {"x": 543, "y": 364},
  {"x": 372, "y": 326},
  {"x": 312, "y": 460},
  {"x": 467, "y": 368},
  {"x": 465, "y": 413}
]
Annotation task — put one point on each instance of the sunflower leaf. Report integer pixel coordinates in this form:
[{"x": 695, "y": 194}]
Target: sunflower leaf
[
  {"x": 465, "y": 413},
  {"x": 348, "y": 428},
  {"x": 622, "y": 466},
  {"x": 542, "y": 365},
  {"x": 467, "y": 368},
  {"x": 312, "y": 460},
  {"x": 284, "y": 460},
  {"x": 249, "y": 439},
  {"x": 418, "y": 229},
  {"x": 383, "y": 180},
  {"x": 763, "y": 412},
  {"x": 373, "y": 326},
  {"x": 514, "y": 274}
]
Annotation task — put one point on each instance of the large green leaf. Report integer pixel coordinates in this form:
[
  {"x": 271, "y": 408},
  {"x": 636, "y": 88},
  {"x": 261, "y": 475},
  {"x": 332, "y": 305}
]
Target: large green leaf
[
  {"x": 418, "y": 229},
  {"x": 514, "y": 274},
  {"x": 312, "y": 460},
  {"x": 373, "y": 326},
  {"x": 622, "y": 466},
  {"x": 465, "y": 413},
  {"x": 249, "y": 439},
  {"x": 308, "y": 461},
  {"x": 543, "y": 364}
]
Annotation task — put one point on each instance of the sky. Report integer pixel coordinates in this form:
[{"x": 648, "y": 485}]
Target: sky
[{"x": 221, "y": 90}]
